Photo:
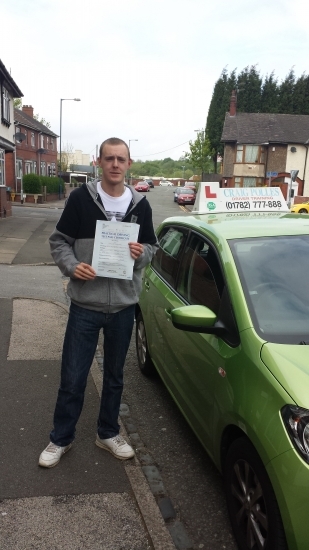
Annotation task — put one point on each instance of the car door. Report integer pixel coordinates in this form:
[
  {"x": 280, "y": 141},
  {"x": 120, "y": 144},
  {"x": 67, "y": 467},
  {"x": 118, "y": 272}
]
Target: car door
[
  {"x": 159, "y": 294},
  {"x": 195, "y": 361}
]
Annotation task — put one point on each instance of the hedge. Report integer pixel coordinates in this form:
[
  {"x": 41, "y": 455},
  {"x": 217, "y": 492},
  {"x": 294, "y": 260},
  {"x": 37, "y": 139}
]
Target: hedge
[{"x": 32, "y": 183}]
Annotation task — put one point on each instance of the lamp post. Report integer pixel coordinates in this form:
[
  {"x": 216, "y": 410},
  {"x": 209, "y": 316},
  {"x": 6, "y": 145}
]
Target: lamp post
[
  {"x": 61, "y": 100},
  {"x": 183, "y": 172},
  {"x": 130, "y": 150}
]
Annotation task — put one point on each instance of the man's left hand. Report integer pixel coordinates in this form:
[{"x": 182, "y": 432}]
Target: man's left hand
[{"x": 136, "y": 249}]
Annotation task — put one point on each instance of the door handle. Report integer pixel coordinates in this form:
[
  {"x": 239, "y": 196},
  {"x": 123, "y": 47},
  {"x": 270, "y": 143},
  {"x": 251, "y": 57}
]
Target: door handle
[{"x": 147, "y": 285}]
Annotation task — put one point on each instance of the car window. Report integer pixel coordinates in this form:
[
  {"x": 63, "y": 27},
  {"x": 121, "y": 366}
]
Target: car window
[
  {"x": 166, "y": 260},
  {"x": 273, "y": 272},
  {"x": 200, "y": 279}
]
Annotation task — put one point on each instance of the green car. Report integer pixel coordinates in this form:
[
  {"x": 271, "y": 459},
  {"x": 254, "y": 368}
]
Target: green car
[{"x": 224, "y": 318}]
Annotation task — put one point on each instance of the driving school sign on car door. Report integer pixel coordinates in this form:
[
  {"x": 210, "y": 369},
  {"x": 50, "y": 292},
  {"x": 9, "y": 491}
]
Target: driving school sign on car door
[{"x": 212, "y": 199}]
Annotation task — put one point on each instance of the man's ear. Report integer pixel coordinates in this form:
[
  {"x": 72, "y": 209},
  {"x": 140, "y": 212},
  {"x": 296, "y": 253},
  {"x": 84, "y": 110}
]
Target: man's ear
[{"x": 130, "y": 162}]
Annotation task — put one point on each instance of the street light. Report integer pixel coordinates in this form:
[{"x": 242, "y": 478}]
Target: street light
[
  {"x": 61, "y": 100},
  {"x": 183, "y": 172},
  {"x": 130, "y": 155},
  {"x": 130, "y": 142}
]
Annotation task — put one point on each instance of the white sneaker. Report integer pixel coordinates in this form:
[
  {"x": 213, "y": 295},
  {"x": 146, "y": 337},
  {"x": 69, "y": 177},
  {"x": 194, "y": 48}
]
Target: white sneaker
[
  {"x": 52, "y": 454},
  {"x": 117, "y": 446}
]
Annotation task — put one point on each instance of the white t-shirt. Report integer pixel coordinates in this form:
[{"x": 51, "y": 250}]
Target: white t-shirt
[{"x": 115, "y": 207}]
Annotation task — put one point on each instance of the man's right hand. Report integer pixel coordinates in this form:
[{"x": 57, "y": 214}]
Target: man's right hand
[{"x": 84, "y": 272}]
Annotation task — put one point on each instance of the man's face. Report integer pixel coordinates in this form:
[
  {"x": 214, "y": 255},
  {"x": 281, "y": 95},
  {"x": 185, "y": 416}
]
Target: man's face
[{"x": 114, "y": 162}]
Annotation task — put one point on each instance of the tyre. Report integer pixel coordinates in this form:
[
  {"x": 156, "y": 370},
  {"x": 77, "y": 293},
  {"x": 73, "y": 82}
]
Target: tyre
[
  {"x": 302, "y": 211},
  {"x": 144, "y": 362},
  {"x": 251, "y": 501}
]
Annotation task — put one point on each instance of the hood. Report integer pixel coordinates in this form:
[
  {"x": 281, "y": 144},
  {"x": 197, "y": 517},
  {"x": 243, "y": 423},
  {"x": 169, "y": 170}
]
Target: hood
[
  {"x": 290, "y": 366},
  {"x": 92, "y": 189}
]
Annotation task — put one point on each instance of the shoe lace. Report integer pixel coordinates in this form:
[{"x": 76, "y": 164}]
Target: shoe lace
[
  {"x": 52, "y": 448},
  {"x": 119, "y": 440}
]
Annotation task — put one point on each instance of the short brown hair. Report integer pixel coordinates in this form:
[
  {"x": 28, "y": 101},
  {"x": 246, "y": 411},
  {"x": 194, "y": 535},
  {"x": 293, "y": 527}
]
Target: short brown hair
[{"x": 113, "y": 141}]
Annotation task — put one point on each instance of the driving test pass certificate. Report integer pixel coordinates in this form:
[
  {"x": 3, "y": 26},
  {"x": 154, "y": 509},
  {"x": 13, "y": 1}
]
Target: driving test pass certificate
[{"x": 111, "y": 253}]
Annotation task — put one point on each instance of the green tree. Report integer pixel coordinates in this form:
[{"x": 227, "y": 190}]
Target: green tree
[
  {"x": 301, "y": 96},
  {"x": 270, "y": 95},
  {"x": 42, "y": 121},
  {"x": 216, "y": 114},
  {"x": 17, "y": 103},
  {"x": 286, "y": 91},
  {"x": 249, "y": 85},
  {"x": 201, "y": 153}
]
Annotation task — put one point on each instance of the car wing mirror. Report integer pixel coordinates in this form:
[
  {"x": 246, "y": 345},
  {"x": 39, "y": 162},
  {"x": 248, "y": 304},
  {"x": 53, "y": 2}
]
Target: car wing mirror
[{"x": 197, "y": 318}]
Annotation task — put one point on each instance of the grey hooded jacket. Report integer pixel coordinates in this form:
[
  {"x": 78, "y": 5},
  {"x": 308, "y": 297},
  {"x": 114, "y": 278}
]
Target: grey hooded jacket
[{"x": 72, "y": 242}]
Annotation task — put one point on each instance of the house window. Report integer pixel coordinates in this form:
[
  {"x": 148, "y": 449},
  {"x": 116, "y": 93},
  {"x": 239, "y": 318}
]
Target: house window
[
  {"x": 2, "y": 171},
  {"x": 34, "y": 168},
  {"x": 32, "y": 140},
  {"x": 26, "y": 134},
  {"x": 43, "y": 169},
  {"x": 250, "y": 154},
  {"x": 19, "y": 168},
  {"x": 52, "y": 143},
  {"x": 5, "y": 105},
  {"x": 47, "y": 142},
  {"x": 248, "y": 182},
  {"x": 42, "y": 142},
  {"x": 28, "y": 167}
]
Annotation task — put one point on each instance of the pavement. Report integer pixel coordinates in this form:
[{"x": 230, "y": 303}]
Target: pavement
[{"x": 90, "y": 499}]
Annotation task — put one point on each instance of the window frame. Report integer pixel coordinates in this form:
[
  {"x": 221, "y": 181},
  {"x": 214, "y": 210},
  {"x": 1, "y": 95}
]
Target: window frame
[
  {"x": 5, "y": 106},
  {"x": 240, "y": 154}
]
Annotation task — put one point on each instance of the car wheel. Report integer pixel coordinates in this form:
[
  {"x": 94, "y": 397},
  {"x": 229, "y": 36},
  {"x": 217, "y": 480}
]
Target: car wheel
[
  {"x": 144, "y": 361},
  {"x": 251, "y": 501},
  {"x": 302, "y": 211}
]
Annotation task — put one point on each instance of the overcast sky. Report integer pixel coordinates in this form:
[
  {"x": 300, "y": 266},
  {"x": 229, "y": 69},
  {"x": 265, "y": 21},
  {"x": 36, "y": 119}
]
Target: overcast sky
[{"x": 143, "y": 69}]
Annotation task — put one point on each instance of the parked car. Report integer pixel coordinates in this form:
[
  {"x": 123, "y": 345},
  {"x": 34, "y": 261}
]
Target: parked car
[
  {"x": 150, "y": 183},
  {"x": 224, "y": 319},
  {"x": 165, "y": 183},
  {"x": 184, "y": 196},
  {"x": 302, "y": 208},
  {"x": 142, "y": 186},
  {"x": 191, "y": 185}
]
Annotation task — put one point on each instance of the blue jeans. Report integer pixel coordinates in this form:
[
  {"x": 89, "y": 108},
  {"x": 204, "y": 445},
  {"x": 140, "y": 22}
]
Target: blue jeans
[{"x": 79, "y": 347}]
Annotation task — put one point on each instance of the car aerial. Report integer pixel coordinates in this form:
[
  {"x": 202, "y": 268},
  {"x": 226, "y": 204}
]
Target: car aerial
[
  {"x": 142, "y": 186},
  {"x": 165, "y": 183},
  {"x": 223, "y": 317},
  {"x": 302, "y": 208},
  {"x": 185, "y": 196}
]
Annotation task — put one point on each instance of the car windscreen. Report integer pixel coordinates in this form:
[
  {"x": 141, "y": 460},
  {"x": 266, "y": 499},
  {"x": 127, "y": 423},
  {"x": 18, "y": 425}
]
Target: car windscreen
[
  {"x": 274, "y": 275},
  {"x": 186, "y": 191}
]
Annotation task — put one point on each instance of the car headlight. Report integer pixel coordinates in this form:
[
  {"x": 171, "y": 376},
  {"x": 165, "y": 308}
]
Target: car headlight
[{"x": 296, "y": 421}]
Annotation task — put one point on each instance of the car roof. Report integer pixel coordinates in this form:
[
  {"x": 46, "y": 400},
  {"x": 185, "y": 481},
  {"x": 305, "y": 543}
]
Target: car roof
[{"x": 244, "y": 225}]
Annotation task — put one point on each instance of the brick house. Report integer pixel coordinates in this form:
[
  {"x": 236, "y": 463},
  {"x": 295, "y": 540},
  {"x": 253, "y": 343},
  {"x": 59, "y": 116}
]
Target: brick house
[
  {"x": 37, "y": 152},
  {"x": 8, "y": 91},
  {"x": 262, "y": 148}
]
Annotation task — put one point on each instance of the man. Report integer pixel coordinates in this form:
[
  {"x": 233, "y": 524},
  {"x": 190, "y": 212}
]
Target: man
[{"x": 97, "y": 302}]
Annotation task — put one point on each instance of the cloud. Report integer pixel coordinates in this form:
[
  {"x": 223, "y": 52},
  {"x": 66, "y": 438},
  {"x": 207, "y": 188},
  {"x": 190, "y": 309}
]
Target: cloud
[{"x": 143, "y": 70}]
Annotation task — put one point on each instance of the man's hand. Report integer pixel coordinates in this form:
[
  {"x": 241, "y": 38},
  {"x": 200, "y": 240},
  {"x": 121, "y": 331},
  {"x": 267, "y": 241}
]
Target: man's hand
[
  {"x": 136, "y": 249},
  {"x": 84, "y": 272}
]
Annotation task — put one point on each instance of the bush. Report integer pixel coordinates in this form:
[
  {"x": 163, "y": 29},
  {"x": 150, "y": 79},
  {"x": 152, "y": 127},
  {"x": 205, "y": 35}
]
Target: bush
[
  {"x": 32, "y": 184},
  {"x": 52, "y": 184}
]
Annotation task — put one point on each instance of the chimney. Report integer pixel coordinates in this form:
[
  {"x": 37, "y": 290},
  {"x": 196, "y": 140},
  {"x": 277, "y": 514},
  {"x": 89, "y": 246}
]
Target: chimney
[
  {"x": 233, "y": 104},
  {"x": 28, "y": 109}
]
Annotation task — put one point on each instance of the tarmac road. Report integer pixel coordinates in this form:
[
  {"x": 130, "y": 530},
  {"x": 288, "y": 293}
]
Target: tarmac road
[{"x": 181, "y": 468}]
